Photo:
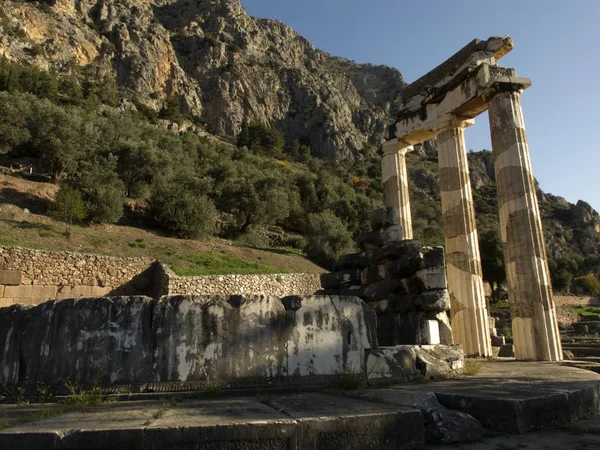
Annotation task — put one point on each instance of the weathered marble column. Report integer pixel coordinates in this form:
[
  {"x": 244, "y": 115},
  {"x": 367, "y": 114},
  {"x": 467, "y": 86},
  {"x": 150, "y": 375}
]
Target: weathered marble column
[
  {"x": 395, "y": 183},
  {"x": 535, "y": 329},
  {"x": 468, "y": 307}
]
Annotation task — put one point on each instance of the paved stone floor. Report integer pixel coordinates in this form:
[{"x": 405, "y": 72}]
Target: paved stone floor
[
  {"x": 581, "y": 435},
  {"x": 507, "y": 397}
]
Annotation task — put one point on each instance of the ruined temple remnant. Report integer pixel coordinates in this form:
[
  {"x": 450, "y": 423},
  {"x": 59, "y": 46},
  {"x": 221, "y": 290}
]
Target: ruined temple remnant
[{"x": 442, "y": 104}]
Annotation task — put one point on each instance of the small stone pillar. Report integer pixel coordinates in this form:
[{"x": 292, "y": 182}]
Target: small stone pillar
[
  {"x": 468, "y": 307},
  {"x": 534, "y": 324},
  {"x": 395, "y": 183}
]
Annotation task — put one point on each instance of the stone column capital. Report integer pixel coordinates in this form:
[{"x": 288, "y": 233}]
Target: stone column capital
[
  {"x": 503, "y": 88},
  {"x": 395, "y": 146},
  {"x": 453, "y": 122}
]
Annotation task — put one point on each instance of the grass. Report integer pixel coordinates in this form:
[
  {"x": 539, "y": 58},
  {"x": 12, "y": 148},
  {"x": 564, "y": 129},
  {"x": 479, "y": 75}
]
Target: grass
[
  {"x": 350, "y": 381},
  {"x": 84, "y": 397},
  {"x": 585, "y": 311},
  {"x": 472, "y": 367},
  {"x": 214, "y": 263},
  {"x": 169, "y": 404}
]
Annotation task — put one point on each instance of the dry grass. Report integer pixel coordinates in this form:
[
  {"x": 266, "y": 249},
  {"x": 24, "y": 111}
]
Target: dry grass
[{"x": 36, "y": 230}]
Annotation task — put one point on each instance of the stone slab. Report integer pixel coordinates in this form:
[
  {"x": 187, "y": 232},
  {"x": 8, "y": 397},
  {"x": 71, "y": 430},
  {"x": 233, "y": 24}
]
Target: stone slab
[
  {"x": 302, "y": 421},
  {"x": 109, "y": 426},
  {"x": 518, "y": 397},
  {"x": 331, "y": 422},
  {"x": 222, "y": 424},
  {"x": 10, "y": 277}
]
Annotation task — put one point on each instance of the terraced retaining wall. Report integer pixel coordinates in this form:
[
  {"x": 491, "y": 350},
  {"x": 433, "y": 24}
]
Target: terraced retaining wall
[{"x": 30, "y": 277}]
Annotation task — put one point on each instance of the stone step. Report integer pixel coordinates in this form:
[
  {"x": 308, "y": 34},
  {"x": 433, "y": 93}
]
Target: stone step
[
  {"x": 582, "y": 350},
  {"x": 301, "y": 421}
]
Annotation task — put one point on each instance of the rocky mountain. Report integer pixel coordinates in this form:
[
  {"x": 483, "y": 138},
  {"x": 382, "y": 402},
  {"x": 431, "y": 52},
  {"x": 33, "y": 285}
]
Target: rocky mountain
[{"x": 225, "y": 67}]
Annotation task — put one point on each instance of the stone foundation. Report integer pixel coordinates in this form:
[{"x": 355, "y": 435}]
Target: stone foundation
[
  {"x": 192, "y": 343},
  {"x": 404, "y": 282}
]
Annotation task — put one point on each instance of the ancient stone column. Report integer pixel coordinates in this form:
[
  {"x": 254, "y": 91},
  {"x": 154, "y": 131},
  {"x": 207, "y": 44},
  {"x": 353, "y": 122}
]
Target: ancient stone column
[
  {"x": 468, "y": 308},
  {"x": 395, "y": 183},
  {"x": 534, "y": 324}
]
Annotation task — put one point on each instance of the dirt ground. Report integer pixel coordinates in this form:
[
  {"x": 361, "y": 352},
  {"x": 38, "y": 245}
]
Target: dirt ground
[{"x": 24, "y": 222}]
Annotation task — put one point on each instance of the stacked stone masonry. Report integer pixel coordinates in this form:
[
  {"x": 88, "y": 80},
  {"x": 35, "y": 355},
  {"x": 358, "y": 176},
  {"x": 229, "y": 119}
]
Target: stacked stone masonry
[
  {"x": 273, "y": 284},
  {"x": 403, "y": 281},
  {"x": 30, "y": 277}
]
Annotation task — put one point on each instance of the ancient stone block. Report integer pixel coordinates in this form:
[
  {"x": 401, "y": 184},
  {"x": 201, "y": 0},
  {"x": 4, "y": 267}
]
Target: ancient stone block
[
  {"x": 357, "y": 290},
  {"x": 498, "y": 341},
  {"x": 405, "y": 363},
  {"x": 415, "y": 328},
  {"x": 380, "y": 238},
  {"x": 433, "y": 278},
  {"x": 433, "y": 257},
  {"x": 81, "y": 291},
  {"x": 402, "y": 267},
  {"x": 382, "y": 290},
  {"x": 434, "y": 301},
  {"x": 12, "y": 320},
  {"x": 18, "y": 291},
  {"x": 384, "y": 217},
  {"x": 507, "y": 351},
  {"x": 393, "y": 251},
  {"x": 5, "y": 301},
  {"x": 43, "y": 293},
  {"x": 335, "y": 279},
  {"x": 354, "y": 261},
  {"x": 10, "y": 277},
  {"x": 84, "y": 340},
  {"x": 445, "y": 328},
  {"x": 373, "y": 274}
]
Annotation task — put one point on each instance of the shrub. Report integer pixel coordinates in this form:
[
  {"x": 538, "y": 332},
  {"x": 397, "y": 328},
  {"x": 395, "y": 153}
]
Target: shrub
[
  {"x": 68, "y": 206},
  {"x": 587, "y": 285},
  {"x": 327, "y": 239},
  {"x": 181, "y": 210},
  {"x": 101, "y": 189}
]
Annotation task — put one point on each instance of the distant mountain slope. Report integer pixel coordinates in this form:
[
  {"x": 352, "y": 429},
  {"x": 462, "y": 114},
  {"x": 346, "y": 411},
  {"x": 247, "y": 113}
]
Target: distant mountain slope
[{"x": 224, "y": 65}]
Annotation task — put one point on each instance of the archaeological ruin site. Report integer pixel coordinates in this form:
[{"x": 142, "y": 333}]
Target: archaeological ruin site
[{"x": 264, "y": 361}]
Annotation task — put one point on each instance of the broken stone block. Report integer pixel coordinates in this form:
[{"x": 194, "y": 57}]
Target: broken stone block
[
  {"x": 403, "y": 303},
  {"x": 333, "y": 280},
  {"x": 445, "y": 328},
  {"x": 433, "y": 257},
  {"x": 415, "y": 328},
  {"x": 394, "y": 251},
  {"x": 356, "y": 290},
  {"x": 443, "y": 425},
  {"x": 403, "y": 267},
  {"x": 373, "y": 274},
  {"x": 434, "y": 301},
  {"x": 498, "y": 341},
  {"x": 405, "y": 363},
  {"x": 379, "y": 238},
  {"x": 507, "y": 351},
  {"x": 382, "y": 290},
  {"x": 384, "y": 217},
  {"x": 354, "y": 261},
  {"x": 433, "y": 278}
]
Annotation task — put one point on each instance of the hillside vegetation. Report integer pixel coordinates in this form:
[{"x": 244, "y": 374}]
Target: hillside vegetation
[{"x": 120, "y": 155}]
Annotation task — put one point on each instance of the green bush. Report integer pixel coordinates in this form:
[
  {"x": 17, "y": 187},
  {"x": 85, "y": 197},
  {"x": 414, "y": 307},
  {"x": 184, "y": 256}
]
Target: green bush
[
  {"x": 327, "y": 239},
  {"x": 68, "y": 206},
  {"x": 182, "y": 210},
  {"x": 101, "y": 189},
  {"x": 587, "y": 285}
]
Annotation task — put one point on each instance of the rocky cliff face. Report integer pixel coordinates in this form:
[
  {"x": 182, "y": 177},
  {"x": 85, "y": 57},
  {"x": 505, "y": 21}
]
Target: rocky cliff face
[{"x": 225, "y": 66}]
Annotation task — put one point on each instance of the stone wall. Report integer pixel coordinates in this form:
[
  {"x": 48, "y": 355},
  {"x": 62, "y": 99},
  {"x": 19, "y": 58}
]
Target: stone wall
[
  {"x": 571, "y": 300},
  {"x": 234, "y": 340},
  {"x": 280, "y": 285},
  {"x": 29, "y": 276}
]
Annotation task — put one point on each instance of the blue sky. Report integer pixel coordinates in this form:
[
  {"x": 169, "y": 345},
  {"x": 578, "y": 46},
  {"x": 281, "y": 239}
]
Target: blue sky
[{"x": 557, "y": 45}]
